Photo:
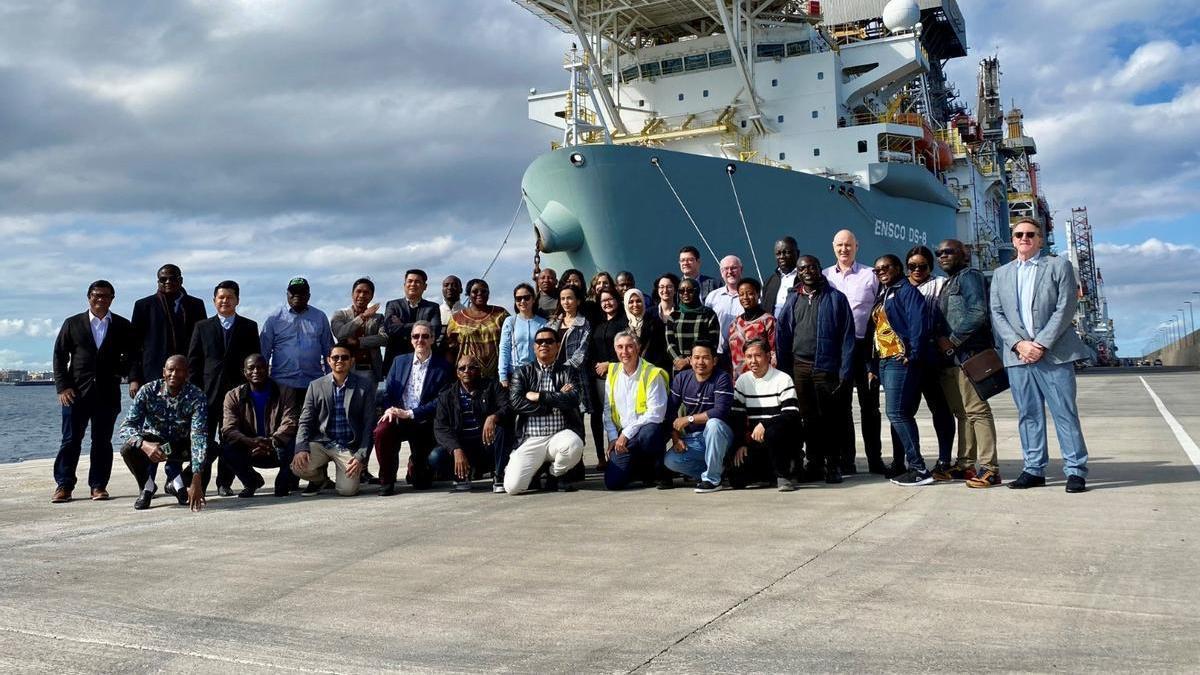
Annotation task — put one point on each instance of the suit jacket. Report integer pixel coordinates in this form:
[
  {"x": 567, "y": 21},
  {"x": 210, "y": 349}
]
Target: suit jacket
[
  {"x": 346, "y": 324},
  {"x": 1055, "y": 298},
  {"x": 159, "y": 338},
  {"x": 317, "y": 413},
  {"x": 215, "y": 368},
  {"x": 437, "y": 376},
  {"x": 239, "y": 424},
  {"x": 770, "y": 291},
  {"x": 398, "y": 320},
  {"x": 79, "y": 365}
]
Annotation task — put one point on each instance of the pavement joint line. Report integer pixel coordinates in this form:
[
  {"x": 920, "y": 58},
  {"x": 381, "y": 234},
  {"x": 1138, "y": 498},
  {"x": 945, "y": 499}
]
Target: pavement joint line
[
  {"x": 737, "y": 605},
  {"x": 1189, "y": 446},
  {"x": 167, "y": 650},
  {"x": 1084, "y": 608}
]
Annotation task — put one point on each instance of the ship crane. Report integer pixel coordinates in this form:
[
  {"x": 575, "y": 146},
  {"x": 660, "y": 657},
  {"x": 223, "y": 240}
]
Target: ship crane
[{"x": 1091, "y": 318}]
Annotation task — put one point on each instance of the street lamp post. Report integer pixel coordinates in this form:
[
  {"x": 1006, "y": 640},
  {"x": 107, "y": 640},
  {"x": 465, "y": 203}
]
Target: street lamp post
[{"x": 1192, "y": 316}]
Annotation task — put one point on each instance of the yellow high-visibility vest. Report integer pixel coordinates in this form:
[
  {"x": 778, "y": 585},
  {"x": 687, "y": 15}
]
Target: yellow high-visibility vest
[{"x": 646, "y": 373}]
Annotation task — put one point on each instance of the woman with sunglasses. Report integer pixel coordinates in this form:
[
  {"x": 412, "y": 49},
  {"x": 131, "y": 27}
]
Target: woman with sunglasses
[
  {"x": 898, "y": 327},
  {"x": 475, "y": 329},
  {"x": 603, "y": 353},
  {"x": 920, "y": 274},
  {"x": 690, "y": 322},
  {"x": 647, "y": 328},
  {"x": 516, "y": 335},
  {"x": 666, "y": 288}
]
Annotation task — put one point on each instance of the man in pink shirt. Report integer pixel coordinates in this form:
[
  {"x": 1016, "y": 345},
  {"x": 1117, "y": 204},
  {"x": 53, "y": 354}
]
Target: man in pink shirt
[{"x": 857, "y": 282}]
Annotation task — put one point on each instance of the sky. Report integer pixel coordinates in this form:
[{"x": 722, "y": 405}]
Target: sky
[{"x": 261, "y": 140}]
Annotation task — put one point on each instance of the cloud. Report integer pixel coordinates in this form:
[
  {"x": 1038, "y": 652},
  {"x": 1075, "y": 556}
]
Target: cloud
[
  {"x": 27, "y": 327},
  {"x": 1146, "y": 283},
  {"x": 13, "y": 360}
]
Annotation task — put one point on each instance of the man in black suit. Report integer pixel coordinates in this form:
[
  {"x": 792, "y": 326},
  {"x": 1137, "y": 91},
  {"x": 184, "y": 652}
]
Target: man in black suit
[
  {"x": 163, "y": 325},
  {"x": 400, "y": 314},
  {"x": 775, "y": 288},
  {"x": 219, "y": 346},
  {"x": 93, "y": 351}
]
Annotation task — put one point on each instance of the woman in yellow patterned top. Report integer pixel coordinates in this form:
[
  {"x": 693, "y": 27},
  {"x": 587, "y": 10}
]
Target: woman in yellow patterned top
[
  {"x": 899, "y": 327},
  {"x": 475, "y": 329}
]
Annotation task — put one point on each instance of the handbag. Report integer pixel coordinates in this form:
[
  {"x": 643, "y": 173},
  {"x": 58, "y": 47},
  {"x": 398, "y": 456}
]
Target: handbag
[{"x": 986, "y": 371}]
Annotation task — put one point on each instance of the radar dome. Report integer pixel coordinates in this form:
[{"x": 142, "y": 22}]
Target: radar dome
[{"x": 901, "y": 15}]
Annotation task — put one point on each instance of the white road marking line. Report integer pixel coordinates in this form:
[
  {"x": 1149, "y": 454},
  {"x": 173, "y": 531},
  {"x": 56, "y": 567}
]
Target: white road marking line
[{"x": 1189, "y": 446}]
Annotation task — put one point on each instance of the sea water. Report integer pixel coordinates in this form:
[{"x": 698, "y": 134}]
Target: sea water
[{"x": 31, "y": 423}]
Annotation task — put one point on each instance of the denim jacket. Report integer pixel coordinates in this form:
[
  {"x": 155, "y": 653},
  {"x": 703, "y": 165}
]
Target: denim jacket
[{"x": 963, "y": 313}]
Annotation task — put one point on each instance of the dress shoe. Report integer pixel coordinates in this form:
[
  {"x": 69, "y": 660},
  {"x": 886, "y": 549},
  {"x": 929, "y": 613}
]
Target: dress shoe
[
  {"x": 387, "y": 489},
  {"x": 1026, "y": 481},
  {"x": 1076, "y": 484},
  {"x": 849, "y": 469},
  {"x": 666, "y": 484},
  {"x": 99, "y": 494},
  {"x": 282, "y": 491},
  {"x": 227, "y": 491},
  {"x": 143, "y": 501},
  {"x": 62, "y": 495},
  {"x": 894, "y": 470},
  {"x": 249, "y": 490},
  {"x": 180, "y": 494},
  {"x": 878, "y": 468},
  {"x": 368, "y": 479},
  {"x": 833, "y": 475}
]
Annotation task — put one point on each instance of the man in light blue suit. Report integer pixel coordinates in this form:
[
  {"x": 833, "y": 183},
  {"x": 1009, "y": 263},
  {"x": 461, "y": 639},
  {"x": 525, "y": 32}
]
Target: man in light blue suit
[{"x": 1033, "y": 302}]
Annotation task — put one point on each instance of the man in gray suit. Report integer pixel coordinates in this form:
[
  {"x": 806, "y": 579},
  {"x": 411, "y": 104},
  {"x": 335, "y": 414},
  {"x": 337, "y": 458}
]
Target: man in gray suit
[
  {"x": 1033, "y": 301},
  {"x": 335, "y": 423}
]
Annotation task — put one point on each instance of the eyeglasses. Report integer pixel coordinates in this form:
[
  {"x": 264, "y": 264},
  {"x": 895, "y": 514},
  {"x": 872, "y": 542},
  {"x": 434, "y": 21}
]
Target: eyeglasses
[
  {"x": 542, "y": 342},
  {"x": 943, "y": 252},
  {"x": 1025, "y": 234},
  {"x": 340, "y": 357},
  {"x": 467, "y": 369},
  {"x": 523, "y": 298},
  {"x": 102, "y": 296},
  {"x": 422, "y": 336},
  {"x": 917, "y": 267}
]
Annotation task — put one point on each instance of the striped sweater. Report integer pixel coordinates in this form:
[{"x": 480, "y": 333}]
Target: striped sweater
[{"x": 768, "y": 400}]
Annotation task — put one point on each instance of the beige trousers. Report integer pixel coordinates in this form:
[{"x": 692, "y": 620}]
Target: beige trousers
[
  {"x": 563, "y": 450},
  {"x": 319, "y": 456},
  {"x": 976, "y": 428}
]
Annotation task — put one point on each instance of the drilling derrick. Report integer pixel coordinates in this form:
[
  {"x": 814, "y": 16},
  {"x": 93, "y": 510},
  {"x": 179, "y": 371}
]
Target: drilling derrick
[{"x": 1091, "y": 317}]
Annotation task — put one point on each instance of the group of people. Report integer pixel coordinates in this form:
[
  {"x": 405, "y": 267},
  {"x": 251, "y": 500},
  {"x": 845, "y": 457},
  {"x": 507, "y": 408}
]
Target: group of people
[{"x": 724, "y": 382}]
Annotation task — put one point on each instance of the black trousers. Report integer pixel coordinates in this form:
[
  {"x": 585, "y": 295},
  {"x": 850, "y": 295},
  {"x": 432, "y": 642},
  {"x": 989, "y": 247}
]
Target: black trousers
[
  {"x": 778, "y": 456},
  {"x": 242, "y": 463},
  {"x": 225, "y": 467},
  {"x": 823, "y": 411},
  {"x": 100, "y": 412},
  {"x": 868, "y": 404},
  {"x": 139, "y": 464}
]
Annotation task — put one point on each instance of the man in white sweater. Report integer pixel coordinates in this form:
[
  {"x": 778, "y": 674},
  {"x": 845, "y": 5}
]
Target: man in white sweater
[
  {"x": 635, "y": 404},
  {"x": 766, "y": 410}
]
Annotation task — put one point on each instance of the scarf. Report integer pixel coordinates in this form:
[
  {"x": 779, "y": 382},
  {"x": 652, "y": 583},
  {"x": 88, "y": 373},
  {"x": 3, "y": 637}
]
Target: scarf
[{"x": 635, "y": 322}]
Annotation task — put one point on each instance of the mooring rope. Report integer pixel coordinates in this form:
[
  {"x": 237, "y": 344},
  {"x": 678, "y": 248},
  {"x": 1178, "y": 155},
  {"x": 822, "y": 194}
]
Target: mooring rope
[
  {"x": 506, "y": 236},
  {"x": 658, "y": 165},
  {"x": 729, "y": 171}
]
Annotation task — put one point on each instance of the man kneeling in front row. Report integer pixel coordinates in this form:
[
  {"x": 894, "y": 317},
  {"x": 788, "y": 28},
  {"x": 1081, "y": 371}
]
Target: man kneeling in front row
[
  {"x": 167, "y": 423},
  {"x": 635, "y": 403},
  {"x": 768, "y": 415},
  {"x": 335, "y": 423},
  {"x": 469, "y": 427},
  {"x": 545, "y": 396},
  {"x": 258, "y": 428},
  {"x": 702, "y": 398}
]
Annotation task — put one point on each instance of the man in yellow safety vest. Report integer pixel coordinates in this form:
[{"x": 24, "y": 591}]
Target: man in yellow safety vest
[{"x": 635, "y": 404}]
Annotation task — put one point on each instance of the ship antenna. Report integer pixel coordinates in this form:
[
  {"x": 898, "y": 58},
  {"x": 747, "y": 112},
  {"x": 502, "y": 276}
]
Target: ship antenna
[
  {"x": 658, "y": 165},
  {"x": 506, "y": 234},
  {"x": 731, "y": 169}
]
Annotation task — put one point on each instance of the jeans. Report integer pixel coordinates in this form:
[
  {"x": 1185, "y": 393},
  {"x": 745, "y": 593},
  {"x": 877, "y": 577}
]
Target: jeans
[
  {"x": 1035, "y": 387},
  {"x": 703, "y": 452},
  {"x": 102, "y": 415},
  {"x": 943, "y": 419},
  {"x": 642, "y": 460},
  {"x": 902, "y": 386},
  {"x": 481, "y": 457}
]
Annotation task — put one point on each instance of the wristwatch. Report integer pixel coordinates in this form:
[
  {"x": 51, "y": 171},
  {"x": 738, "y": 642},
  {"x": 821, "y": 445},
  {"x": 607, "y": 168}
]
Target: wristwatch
[{"x": 691, "y": 419}]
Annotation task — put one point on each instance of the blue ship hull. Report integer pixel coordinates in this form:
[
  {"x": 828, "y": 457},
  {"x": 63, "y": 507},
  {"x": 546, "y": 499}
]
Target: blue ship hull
[{"x": 615, "y": 211}]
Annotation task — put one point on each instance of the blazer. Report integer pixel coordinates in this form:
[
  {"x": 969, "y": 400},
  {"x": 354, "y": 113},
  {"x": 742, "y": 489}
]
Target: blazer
[
  {"x": 398, "y": 320},
  {"x": 80, "y": 366},
  {"x": 770, "y": 289},
  {"x": 215, "y": 368},
  {"x": 155, "y": 336},
  {"x": 489, "y": 398},
  {"x": 346, "y": 324},
  {"x": 1055, "y": 298},
  {"x": 238, "y": 421},
  {"x": 437, "y": 376},
  {"x": 317, "y": 413}
]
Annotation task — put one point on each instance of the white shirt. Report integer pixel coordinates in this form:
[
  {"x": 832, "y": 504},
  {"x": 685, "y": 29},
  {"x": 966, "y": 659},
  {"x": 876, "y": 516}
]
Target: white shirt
[
  {"x": 416, "y": 382},
  {"x": 1026, "y": 275},
  {"x": 226, "y": 321},
  {"x": 786, "y": 282},
  {"x": 726, "y": 305},
  {"x": 448, "y": 311},
  {"x": 625, "y": 396},
  {"x": 99, "y": 327}
]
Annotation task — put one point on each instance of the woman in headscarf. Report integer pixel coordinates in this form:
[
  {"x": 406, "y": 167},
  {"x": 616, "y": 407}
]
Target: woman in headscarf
[
  {"x": 755, "y": 323},
  {"x": 690, "y": 322},
  {"x": 647, "y": 328}
]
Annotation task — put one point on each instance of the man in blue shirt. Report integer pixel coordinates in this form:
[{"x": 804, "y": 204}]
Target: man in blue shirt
[
  {"x": 296, "y": 339},
  {"x": 701, "y": 434}
]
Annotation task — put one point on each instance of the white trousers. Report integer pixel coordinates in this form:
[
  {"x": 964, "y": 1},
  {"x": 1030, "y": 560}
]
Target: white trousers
[{"x": 563, "y": 450}]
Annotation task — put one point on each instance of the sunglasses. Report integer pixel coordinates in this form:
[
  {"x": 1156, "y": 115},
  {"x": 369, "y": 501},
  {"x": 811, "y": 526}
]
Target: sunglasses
[
  {"x": 167, "y": 280},
  {"x": 1024, "y": 235},
  {"x": 542, "y": 342},
  {"x": 467, "y": 369},
  {"x": 422, "y": 336},
  {"x": 917, "y": 267},
  {"x": 523, "y": 298},
  {"x": 340, "y": 357},
  {"x": 943, "y": 252},
  {"x": 883, "y": 269}
]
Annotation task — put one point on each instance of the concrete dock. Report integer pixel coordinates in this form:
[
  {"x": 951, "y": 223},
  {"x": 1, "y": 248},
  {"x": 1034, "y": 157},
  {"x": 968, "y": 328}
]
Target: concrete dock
[{"x": 864, "y": 576}]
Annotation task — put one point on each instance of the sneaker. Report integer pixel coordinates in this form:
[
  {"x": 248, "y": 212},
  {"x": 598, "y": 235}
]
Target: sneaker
[
  {"x": 895, "y": 470},
  {"x": 498, "y": 489},
  {"x": 986, "y": 479},
  {"x": 704, "y": 487},
  {"x": 313, "y": 488},
  {"x": 962, "y": 473},
  {"x": 786, "y": 485},
  {"x": 942, "y": 472},
  {"x": 913, "y": 478},
  {"x": 461, "y": 486}
]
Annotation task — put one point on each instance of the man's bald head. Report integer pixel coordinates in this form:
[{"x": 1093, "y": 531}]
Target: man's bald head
[{"x": 845, "y": 247}]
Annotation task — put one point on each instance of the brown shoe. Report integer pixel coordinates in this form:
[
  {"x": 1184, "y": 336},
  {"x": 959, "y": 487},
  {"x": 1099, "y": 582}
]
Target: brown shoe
[
  {"x": 61, "y": 495},
  {"x": 986, "y": 479},
  {"x": 99, "y": 494}
]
